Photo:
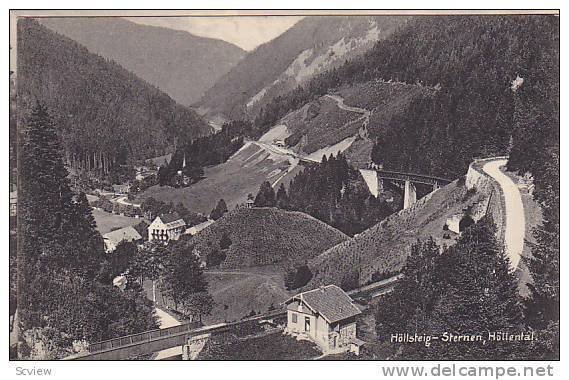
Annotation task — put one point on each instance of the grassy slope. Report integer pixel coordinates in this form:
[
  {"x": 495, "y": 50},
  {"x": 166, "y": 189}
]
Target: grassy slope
[
  {"x": 321, "y": 123},
  {"x": 233, "y": 180},
  {"x": 237, "y": 293},
  {"x": 107, "y": 221},
  {"x": 385, "y": 246},
  {"x": 385, "y": 100},
  {"x": 265, "y": 236}
]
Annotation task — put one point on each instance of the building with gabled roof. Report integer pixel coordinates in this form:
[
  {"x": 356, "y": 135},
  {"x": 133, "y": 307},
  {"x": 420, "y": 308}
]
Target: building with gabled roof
[
  {"x": 326, "y": 315},
  {"x": 166, "y": 227},
  {"x": 112, "y": 239}
]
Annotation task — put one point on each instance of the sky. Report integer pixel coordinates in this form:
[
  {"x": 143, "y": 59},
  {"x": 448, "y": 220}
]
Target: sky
[{"x": 247, "y": 32}]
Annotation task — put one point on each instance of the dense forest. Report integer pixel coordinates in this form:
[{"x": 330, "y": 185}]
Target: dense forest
[
  {"x": 332, "y": 192},
  {"x": 192, "y": 156},
  {"x": 465, "y": 289},
  {"x": 63, "y": 299},
  {"x": 104, "y": 114}
]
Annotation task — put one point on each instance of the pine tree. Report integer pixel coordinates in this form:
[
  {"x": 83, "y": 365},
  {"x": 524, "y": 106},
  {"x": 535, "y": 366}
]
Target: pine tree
[
  {"x": 542, "y": 305},
  {"x": 413, "y": 296},
  {"x": 282, "y": 198},
  {"x": 45, "y": 203},
  {"x": 266, "y": 196},
  {"x": 479, "y": 295},
  {"x": 219, "y": 210}
]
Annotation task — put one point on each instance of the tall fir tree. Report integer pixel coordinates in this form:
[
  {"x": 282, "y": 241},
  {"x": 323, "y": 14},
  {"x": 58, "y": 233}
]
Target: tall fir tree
[{"x": 266, "y": 196}]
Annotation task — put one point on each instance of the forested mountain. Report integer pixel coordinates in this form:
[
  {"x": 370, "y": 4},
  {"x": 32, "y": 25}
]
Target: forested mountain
[
  {"x": 179, "y": 63},
  {"x": 472, "y": 62},
  {"x": 310, "y": 47},
  {"x": 104, "y": 114}
]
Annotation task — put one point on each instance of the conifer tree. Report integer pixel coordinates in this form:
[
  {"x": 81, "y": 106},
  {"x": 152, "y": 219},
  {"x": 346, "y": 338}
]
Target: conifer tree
[
  {"x": 479, "y": 295},
  {"x": 266, "y": 196},
  {"x": 282, "y": 198},
  {"x": 219, "y": 210}
]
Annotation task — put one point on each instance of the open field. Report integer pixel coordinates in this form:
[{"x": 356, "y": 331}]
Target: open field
[
  {"x": 242, "y": 174},
  {"x": 107, "y": 221},
  {"x": 238, "y": 292}
]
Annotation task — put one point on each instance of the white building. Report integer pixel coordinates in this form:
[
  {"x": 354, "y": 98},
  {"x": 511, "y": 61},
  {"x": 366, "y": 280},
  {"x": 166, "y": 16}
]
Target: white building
[
  {"x": 113, "y": 238},
  {"x": 327, "y": 316},
  {"x": 166, "y": 227},
  {"x": 198, "y": 227}
]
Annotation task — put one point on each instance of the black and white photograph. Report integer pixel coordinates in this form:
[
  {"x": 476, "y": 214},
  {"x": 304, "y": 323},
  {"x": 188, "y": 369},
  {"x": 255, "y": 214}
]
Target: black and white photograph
[{"x": 293, "y": 185}]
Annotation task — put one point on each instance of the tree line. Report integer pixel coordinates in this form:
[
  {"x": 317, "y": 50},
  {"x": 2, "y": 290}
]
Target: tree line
[
  {"x": 332, "y": 192},
  {"x": 204, "y": 151},
  {"x": 466, "y": 290}
]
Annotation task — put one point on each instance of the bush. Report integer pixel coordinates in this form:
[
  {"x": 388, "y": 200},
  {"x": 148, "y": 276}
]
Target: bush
[
  {"x": 215, "y": 258},
  {"x": 298, "y": 277}
]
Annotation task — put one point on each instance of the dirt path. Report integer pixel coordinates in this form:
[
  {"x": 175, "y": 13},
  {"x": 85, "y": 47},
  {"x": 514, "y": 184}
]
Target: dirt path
[
  {"x": 340, "y": 102},
  {"x": 515, "y": 217}
]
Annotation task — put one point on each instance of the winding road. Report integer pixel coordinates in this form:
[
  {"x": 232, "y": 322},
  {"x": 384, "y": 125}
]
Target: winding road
[
  {"x": 340, "y": 101},
  {"x": 515, "y": 218}
]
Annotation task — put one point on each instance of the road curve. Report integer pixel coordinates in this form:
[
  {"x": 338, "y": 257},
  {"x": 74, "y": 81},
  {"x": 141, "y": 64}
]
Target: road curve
[{"x": 515, "y": 219}]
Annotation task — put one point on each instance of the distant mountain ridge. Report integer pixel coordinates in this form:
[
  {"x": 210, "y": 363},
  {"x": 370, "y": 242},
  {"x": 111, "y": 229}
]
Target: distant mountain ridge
[
  {"x": 179, "y": 63},
  {"x": 310, "y": 47},
  {"x": 104, "y": 113}
]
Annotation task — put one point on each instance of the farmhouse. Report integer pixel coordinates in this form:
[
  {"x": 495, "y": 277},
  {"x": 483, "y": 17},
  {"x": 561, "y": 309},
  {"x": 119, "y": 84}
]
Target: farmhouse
[
  {"x": 113, "y": 238},
  {"x": 326, "y": 316},
  {"x": 166, "y": 227}
]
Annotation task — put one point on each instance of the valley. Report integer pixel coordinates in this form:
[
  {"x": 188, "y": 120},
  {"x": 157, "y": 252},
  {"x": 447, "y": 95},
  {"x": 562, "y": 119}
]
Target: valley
[{"x": 351, "y": 177}]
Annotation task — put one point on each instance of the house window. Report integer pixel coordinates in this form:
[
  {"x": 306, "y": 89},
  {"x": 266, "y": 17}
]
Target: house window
[
  {"x": 294, "y": 318},
  {"x": 307, "y": 324}
]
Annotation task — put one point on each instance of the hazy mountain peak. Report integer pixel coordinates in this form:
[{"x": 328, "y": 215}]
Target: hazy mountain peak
[{"x": 179, "y": 63}]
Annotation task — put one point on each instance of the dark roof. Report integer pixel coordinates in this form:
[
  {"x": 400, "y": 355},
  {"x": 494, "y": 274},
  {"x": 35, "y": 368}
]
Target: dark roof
[
  {"x": 329, "y": 301},
  {"x": 169, "y": 218}
]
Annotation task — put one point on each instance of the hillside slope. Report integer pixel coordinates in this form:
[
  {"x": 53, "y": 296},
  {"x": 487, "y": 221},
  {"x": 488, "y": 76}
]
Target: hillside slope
[
  {"x": 383, "y": 248},
  {"x": 310, "y": 47},
  {"x": 179, "y": 63},
  {"x": 473, "y": 63},
  {"x": 232, "y": 180},
  {"x": 104, "y": 113},
  {"x": 347, "y": 117},
  {"x": 264, "y": 236}
]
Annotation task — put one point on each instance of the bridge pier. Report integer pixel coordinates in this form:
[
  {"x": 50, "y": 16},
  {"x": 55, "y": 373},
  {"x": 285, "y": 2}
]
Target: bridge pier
[
  {"x": 195, "y": 345},
  {"x": 436, "y": 186},
  {"x": 410, "y": 196}
]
